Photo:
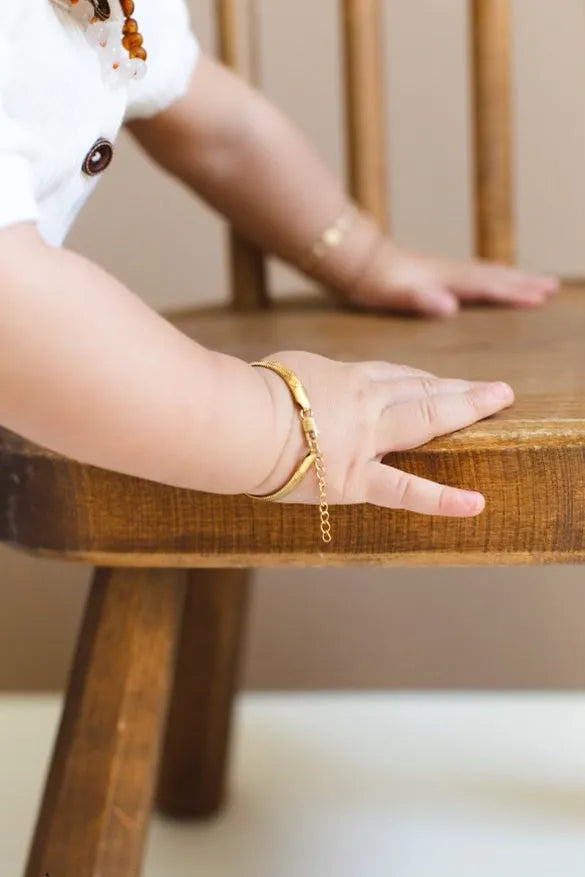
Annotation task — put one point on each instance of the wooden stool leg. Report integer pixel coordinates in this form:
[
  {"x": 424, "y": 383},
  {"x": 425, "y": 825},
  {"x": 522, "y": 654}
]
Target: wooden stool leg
[
  {"x": 99, "y": 792},
  {"x": 195, "y": 753}
]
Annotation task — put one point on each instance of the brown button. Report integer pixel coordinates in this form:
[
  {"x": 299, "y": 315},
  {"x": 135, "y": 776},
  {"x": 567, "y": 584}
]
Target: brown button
[
  {"x": 98, "y": 158},
  {"x": 102, "y": 9}
]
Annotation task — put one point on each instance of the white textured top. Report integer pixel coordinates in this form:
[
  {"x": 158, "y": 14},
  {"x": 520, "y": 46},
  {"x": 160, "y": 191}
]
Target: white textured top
[{"x": 55, "y": 103}]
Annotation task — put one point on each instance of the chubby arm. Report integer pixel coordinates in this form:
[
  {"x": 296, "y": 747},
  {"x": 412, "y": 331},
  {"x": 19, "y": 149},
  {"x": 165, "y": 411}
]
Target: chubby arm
[
  {"x": 90, "y": 371},
  {"x": 246, "y": 159}
]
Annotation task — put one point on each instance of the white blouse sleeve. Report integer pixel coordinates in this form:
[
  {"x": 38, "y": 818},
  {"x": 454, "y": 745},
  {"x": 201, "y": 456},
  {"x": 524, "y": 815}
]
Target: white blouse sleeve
[
  {"x": 173, "y": 51},
  {"x": 17, "y": 198}
]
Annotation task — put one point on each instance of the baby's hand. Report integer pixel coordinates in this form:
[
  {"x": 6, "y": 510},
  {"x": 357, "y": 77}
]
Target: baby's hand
[
  {"x": 398, "y": 280},
  {"x": 364, "y": 411}
]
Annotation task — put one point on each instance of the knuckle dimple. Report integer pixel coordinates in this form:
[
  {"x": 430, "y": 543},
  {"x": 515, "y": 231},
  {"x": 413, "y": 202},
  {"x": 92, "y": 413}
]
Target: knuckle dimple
[
  {"x": 402, "y": 488},
  {"x": 471, "y": 403},
  {"x": 362, "y": 397},
  {"x": 427, "y": 410},
  {"x": 427, "y": 386},
  {"x": 352, "y": 488},
  {"x": 359, "y": 384},
  {"x": 443, "y": 500}
]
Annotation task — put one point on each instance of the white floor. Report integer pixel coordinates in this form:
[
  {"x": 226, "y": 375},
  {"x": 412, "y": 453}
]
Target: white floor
[{"x": 393, "y": 785}]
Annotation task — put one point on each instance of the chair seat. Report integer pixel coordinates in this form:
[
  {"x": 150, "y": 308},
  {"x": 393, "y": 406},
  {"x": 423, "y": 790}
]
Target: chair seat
[{"x": 529, "y": 460}]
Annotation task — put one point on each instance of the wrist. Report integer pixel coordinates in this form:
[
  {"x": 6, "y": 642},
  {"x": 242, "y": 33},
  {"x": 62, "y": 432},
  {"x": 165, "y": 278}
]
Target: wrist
[
  {"x": 341, "y": 268},
  {"x": 289, "y": 442},
  {"x": 242, "y": 424}
]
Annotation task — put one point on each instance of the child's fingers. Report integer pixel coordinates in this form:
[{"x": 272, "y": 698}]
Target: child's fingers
[
  {"x": 391, "y": 488},
  {"x": 412, "y": 424},
  {"x": 386, "y": 371},
  {"x": 498, "y": 283},
  {"x": 430, "y": 299},
  {"x": 413, "y": 389},
  {"x": 511, "y": 282},
  {"x": 508, "y": 294}
]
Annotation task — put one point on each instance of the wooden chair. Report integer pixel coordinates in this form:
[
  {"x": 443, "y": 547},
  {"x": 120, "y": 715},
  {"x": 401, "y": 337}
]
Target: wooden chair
[{"x": 156, "y": 665}]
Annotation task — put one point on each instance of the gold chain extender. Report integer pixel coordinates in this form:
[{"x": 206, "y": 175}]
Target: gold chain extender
[
  {"x": 314, "y": 456},
  {"x": 311, "y": 434}
]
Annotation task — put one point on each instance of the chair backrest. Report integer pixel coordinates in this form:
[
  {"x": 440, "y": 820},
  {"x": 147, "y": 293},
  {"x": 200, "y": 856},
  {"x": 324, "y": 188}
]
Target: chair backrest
[{"x": 365, "y": 111}]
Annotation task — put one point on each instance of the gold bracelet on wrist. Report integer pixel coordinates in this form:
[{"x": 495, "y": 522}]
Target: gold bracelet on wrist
[
  {"x": 314, "y": 455},
  {"x": 332, "y": 237}
]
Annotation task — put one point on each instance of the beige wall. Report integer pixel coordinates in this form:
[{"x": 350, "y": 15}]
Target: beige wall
[{"x": 361, "y": 627}]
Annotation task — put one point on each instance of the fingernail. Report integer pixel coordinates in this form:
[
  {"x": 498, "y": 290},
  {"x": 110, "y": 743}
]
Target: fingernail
[
  {"x": 474, "y": 501},
  {"x": 552, "y": 284},
  {"x": 439, "y": 303},
  {"x": 499, "y": 392},
  {"x": 449, "y": 306}
]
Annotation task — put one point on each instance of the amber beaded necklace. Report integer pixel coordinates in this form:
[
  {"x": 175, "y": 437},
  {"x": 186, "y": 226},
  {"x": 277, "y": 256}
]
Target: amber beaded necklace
[
  {"x": 132, "y": 39},
  {"x": 103, "y": 31}
]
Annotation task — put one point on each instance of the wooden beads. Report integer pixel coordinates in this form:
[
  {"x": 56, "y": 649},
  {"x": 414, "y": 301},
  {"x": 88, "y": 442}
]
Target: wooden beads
[{"x": 132, "y": 39}]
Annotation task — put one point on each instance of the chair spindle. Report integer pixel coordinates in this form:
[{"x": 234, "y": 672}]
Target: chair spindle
[
  {"x": 491, "y": 78},
  {"x": 248, "y": 263},
  {"x": 365, "y": 105}
]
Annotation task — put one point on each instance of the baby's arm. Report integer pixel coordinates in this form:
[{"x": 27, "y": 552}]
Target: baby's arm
[
  {"x": 90, "y": 371},
  {"x": 249, "y": 161}
]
